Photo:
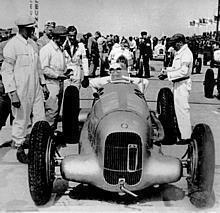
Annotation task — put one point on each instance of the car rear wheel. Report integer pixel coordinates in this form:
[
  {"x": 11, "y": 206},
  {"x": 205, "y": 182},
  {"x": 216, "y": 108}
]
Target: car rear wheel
[
  {"x": 201, "y": 155},
  {"x": 209, "y": 83},
  {"x": 41, "y": 163},
  {"x": 167, "y": 116},
  {"x": 70, "y": 122}
]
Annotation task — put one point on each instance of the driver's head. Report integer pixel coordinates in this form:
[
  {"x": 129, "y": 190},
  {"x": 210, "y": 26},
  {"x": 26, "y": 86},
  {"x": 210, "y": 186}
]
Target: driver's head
[
  {"x": 117, "y": 70},
  {"x": 122, "y": 60}
]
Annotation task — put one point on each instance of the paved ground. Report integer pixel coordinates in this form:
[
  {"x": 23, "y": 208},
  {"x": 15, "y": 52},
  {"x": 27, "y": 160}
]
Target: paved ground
[{"x": 67, "y": 196}]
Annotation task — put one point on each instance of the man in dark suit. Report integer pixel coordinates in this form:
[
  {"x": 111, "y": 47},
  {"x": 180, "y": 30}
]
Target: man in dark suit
[{"x": 145, "y": 53}]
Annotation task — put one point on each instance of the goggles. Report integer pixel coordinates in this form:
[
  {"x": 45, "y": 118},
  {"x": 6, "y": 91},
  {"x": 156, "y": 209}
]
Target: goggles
[{"x": 112, "y": 70}]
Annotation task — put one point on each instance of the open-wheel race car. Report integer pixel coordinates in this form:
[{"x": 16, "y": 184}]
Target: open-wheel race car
[
  {"x": 120, "y": 146},
  {"x": 210, "y": 81}
]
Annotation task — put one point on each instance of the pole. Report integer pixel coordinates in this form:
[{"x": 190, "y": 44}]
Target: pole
[{"x": 217, "y": 23}]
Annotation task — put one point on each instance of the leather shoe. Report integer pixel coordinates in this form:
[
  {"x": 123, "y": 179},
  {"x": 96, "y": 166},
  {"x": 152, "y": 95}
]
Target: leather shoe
[{"x": 21, "y": 155}]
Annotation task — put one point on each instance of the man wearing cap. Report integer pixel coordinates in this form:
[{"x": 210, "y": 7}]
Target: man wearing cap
[
  {"x": 22, "y": 79},
  {"x": 75, "y": 56},
  {"x": 145, "y": 53},
  {"x": 53, "y": 64},
  {"x": 48, "y": 28},
  {"x": 179, "y": 74}
]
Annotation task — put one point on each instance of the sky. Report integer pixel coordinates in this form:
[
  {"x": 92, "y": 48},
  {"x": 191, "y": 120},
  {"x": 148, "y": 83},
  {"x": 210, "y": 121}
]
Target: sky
[{"x": 122, "y": 17}]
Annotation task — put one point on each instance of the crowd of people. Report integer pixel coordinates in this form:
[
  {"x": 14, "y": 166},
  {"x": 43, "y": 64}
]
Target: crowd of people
[{"x": 36, "y": 71}]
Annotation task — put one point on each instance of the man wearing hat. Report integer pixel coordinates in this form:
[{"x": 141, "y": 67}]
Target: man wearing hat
[
  {"x": 145, "y": 53},
  {"x": 22, "y": 79},
  {"x": 53, "y": 64},
  {"x": 48, "y": 28},
  {"x": 179, "y": 73}
]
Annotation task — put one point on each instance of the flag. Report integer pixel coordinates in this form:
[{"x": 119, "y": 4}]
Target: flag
[
  {"x": 192, "y": 23},
  {"x": 210, "y": 21},
  {"x": 215, "y": 18},
  {"x": 204, "y": 20},
  {"x": 201, "y": 22},
  {"x": 197, "y": 22}
]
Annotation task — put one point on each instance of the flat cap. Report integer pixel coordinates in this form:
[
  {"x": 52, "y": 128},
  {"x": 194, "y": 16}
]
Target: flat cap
[
  {"x": 177, "y": 37},
  {"x": 143, "y": 33},
  {"x": 59, "y": 31},
  {"x": 25, "y": 21}
]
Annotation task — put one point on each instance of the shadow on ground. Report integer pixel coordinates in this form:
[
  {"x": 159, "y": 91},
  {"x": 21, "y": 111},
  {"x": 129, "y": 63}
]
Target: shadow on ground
[{"x": 166, "y": 192}]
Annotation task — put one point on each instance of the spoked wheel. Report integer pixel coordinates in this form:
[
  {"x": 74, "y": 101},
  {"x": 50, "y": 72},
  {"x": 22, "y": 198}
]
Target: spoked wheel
[
  {"x": 41, "y": 163},
  {"x": 201, "y": 167},
  {"x": 167, "y": 116},
  {"x": 70, "y": 115},
  {"x": 198, "y": 65},
  {"x": 209, "y": 83}
]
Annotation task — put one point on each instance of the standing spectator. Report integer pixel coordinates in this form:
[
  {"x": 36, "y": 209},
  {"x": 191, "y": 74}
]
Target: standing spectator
[
  {"x": 93, "y": 53},
  {"x": 133, "y": 48},
  {"x": 21, "y": 79},
  {"x": 179, "y": 74},
  {"x": 121, "y": 49},
  {"x": 48, "y": 28},
  {"x": 5, "y": 103},
  {"x": 102, "y": 54},
  {"x": 53, "y": 64},
  {"x": 75, "y": 55},
  {"x": 145, "y": 53}
]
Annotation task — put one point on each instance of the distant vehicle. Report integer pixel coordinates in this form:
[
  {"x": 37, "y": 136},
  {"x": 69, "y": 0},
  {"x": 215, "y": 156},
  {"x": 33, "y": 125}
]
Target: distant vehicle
[
  {"x": 120, "y": 146},
  {"x": 210, "y": 81},
  {"x": 159, "y": 52}
]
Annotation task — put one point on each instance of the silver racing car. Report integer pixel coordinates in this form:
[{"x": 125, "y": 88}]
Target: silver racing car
[{"x": 120, "y": 142}]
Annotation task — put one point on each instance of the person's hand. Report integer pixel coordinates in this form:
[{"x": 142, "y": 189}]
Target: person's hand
[
  {"x": 45, "y": 91},
  {"x": 15, "y": 101},
  {"x": 68, "y": 72},
  {"x": 85, "y": 82},
  {"x": 62, "y": 77},
  {"x": 163, "y": 74}
]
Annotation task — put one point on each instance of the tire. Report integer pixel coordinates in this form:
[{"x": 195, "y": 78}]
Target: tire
[
  {"x": 209, "y": 83},
  {"x": 167, "y": 116},
  {"x": 41, "y": 163},
  {"x": 198, "y": 65},
  {"x": 70, "y": 122},
  {"x": 200, "y": 181}
]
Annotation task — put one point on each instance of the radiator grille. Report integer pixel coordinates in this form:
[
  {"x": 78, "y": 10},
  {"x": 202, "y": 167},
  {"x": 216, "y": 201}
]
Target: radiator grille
[{"x": 123, "y": 158}]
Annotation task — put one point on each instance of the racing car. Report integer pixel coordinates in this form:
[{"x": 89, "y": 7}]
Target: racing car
[
  {"x": 210, "y": 81},
  {"x": 120, "y": 140}
]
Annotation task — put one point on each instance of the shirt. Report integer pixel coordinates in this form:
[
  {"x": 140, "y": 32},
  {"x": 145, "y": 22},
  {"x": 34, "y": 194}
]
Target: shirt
[
  {"x": 182, "y": 64},
  {"x": 52, "y": 60},
  {"x": 75, "y": 58},
  {"x": 21, "y": 68}
]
